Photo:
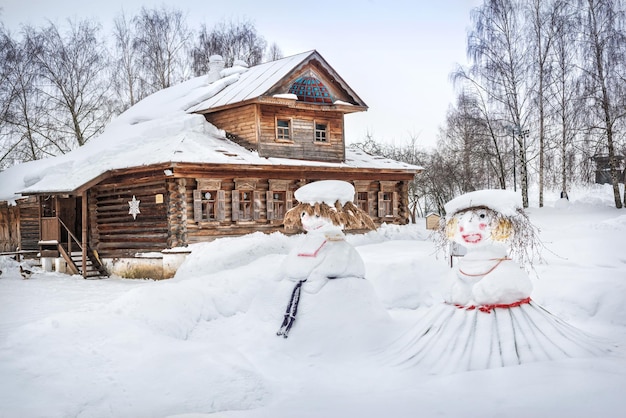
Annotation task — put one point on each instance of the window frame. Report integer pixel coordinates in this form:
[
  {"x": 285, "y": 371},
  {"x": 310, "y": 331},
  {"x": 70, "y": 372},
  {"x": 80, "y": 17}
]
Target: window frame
[
  {"x": 280, "y": 131},
  {"x": 385, "y": 203},
  {"x": 200, "y": 202},
  {"x": 283, "y": 188},
  {"x": 388, "y": 200},
  {"x": 363, "y": 203},
  {"x": 239, "y": 212},
  {"x": 246, "y": 206},
  {"x": 322, "y": 132}
]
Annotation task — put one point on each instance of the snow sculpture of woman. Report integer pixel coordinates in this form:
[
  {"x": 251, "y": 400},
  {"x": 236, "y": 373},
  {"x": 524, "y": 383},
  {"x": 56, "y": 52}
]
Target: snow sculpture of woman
[
  {"x": 325, "y": 208},
  {"x": 485, "y": 223},
  {"x": 489, "y": 319}
]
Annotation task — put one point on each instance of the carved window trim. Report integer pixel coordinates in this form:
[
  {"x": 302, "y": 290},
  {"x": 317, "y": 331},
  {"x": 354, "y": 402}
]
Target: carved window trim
[
  {"x": 364, "y": 198},
  {"x": 388, "y": 200},
  {"x": 277, "y": 206},
  {"x": 246, "y": 201},
  {"x": 208, "y": 201}
]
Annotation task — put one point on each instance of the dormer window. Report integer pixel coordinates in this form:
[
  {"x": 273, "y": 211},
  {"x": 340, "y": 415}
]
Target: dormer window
[
  {"x": 310, "y": 89},
  {"x": 283, "y": 129}
]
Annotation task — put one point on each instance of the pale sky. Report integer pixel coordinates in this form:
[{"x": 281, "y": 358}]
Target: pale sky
[{"x": 396, "y": 55}]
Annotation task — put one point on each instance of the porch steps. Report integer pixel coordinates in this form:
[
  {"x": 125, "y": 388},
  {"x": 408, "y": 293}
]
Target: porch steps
[{"x": 92, "y": 271}]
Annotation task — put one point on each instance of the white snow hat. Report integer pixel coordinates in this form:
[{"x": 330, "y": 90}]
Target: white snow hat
[
  {"x": 505, "y": 202},
  {"x": 325, "y": 191}
]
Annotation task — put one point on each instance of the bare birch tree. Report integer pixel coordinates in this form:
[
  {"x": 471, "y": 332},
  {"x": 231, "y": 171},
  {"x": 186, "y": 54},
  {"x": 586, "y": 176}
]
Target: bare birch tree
[
  {"x": 605, "y": 42},
  {"x": 232, "y": 40},
  {"x": 499, "y": 55},
  {"x": 160, "y": 42},
  {"x": 564, "y": 91},
  {"x": 274, "y": 52},
  {"x": 23, "y": 116},
  {"x": 126, "y": 80},
  {"x": 73, "y": 68},
  {"x": 543, "y": 16}
]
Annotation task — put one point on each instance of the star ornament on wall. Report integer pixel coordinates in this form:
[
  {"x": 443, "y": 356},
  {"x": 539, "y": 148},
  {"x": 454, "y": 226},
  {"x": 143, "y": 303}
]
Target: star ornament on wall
[{"x": 134, "y": 207}]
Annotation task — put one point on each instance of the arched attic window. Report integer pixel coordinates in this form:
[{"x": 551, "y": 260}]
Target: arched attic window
[{"x": 310, "y": 89}]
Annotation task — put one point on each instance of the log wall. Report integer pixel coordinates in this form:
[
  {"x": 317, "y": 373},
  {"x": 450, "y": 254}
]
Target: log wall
[
  {"x": 198, "y": 231},
  {"x": 114, "y": 232},
  {"x": 168, "y": 205}
]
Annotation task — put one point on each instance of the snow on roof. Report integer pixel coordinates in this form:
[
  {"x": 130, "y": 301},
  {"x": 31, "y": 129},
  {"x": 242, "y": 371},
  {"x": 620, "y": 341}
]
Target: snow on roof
[
  {"x": 162, "y": 129},
  {"x": 254, "y": 82},
  {"x": 505, "y": 202},
  {"x": 325, "y": 191}
]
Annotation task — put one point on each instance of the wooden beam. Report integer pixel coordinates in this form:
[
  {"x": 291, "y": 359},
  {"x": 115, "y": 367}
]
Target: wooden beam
[{"x": 84, "y": 226}]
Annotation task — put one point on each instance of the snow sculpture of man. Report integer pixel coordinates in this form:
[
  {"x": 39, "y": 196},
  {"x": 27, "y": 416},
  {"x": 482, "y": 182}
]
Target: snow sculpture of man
[
  {"x": 487, "y": 223},
  {"x": 325, "y": 208}
]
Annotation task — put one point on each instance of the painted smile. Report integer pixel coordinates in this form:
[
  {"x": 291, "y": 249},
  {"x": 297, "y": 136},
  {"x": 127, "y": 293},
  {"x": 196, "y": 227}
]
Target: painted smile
[{"x": 472, "y": 238}]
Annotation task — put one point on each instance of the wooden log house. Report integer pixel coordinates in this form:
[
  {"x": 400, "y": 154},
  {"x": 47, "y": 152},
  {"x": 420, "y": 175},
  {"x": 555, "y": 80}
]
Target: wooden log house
[{"x": 280, "y": 126}]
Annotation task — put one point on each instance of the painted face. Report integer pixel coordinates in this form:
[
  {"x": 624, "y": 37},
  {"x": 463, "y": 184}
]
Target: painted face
[
  {"x": 314, "y": 222},
  {"x": 473, "y": 227}
]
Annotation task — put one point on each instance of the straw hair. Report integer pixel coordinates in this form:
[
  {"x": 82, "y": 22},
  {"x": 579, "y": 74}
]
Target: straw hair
[
  {"x": 502, "y": 231},
  {"x": 347, "y": 216},
  {"x": 450, "y": 228}
]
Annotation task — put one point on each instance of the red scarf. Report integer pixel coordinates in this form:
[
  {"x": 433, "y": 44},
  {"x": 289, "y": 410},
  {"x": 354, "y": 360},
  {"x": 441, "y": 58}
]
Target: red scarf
[{"x": 489, "y": 308}]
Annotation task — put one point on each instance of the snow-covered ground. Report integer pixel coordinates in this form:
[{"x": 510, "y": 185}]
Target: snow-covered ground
[{"x": 204, "y": 344}]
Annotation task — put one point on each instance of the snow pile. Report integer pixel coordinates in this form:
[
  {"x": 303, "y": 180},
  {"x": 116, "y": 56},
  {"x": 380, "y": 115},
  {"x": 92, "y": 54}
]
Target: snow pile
[{"x": 204, "y": 344}]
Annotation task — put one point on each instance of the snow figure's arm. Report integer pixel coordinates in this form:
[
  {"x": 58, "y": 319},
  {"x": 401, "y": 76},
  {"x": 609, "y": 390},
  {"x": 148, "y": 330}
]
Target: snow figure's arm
[
  {"x": 508, "y": 283},
  {"x": 304, "y": 258},
  {"x": 340, "y": 260},
  {"x": 458, "y": 291}
]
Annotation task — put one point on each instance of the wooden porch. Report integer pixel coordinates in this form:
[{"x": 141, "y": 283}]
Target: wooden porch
[{"x": 58, "y": 240}]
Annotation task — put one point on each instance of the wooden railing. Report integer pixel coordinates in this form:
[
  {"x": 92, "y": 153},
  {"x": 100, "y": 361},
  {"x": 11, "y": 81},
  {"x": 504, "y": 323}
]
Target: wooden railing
[
  {"x": 71, "y": 238},
  {"x": 68, "y": 244},
  {"x": 55, "y": 232}
]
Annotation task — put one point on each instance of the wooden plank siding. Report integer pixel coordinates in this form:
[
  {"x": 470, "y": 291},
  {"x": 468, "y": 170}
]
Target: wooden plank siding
[
  {"x": 9, "y": 232},
  {"x": 29, "y": 227},
  {"x": 253, "y": 126},
  {"x": 240, "y": 124},
  {"x": 302, "y": 144}
]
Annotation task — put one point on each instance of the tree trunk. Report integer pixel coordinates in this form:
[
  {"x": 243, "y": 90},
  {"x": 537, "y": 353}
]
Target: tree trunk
[{"x": 523, "y": 169}]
